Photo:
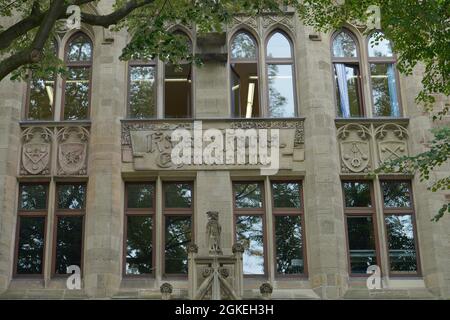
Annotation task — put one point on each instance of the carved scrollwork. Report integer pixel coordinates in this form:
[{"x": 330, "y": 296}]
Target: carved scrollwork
[
  {"x": 285, "y": 20},
  {"x": 354, "y": 144},
  {"x": 239, "y": 20},
  {"x": 72, "y": 151},
  {"x": 36, "y": 151},
  {"x": 391, "y": 141}
]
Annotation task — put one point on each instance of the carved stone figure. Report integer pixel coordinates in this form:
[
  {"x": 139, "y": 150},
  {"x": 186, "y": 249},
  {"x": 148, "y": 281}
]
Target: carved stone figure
[{"x": 213, "y": 231}]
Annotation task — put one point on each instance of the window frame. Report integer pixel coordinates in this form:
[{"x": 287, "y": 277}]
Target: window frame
[
  {"x": 353, "y": 61},
  {"x": 401, "y": 212},
  {"x": 77, "y": 65},
  {"x": 141, "y": 63},
  {"x": 252, "y": 212},
  {"x": 280, "y": 61},
  {"x": 276, "y": 211},
  {"x": 68, "y": 213},
  {"x": 362, "y": 212},
  {"x": 175, "y": 212},
  {"x": 40, "y": 213},
  {"x": 139, "y": 212}
]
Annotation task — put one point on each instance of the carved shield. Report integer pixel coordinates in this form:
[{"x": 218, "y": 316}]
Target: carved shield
[
  {"x": 72, "y": 156},
  {"x": 35, "y": 157},
  {"x": 391, "y": 150},
  {"x": 355, "y": 155}
]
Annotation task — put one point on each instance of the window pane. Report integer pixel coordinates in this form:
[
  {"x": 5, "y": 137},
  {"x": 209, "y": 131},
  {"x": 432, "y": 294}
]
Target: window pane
[
  {"x": 344, "y": 46},
  {"x": 140, "y": 195},
  {"x": 178, "y": 236},
  {"x": 178, "y": 195},
  {"x": 142, "y": 92},
  {"x": 245, "y": 90},
  {"x": 69, "y": 240},
  {"x": 77, "y": 94},
  {"x": 379, "y": 47},
  {"x": 384, "y": 90},
  {"x": 33, "y": 197},
  {"x": 402, "y": 250},
  {"x": 347, "y": 90},
  {"x": 361, "y": 242},
  {"x": 247, "y": 195},
  {"x": 286, "y": 195},
  {"x": 278, "y": 46},
  {"x": 79, "y": 49},
  {"x": 71, "y": 196},
  {"x": 250, "y": 232},
  {"x": 243, "y": 47},
  {"x": 42, "y": 95},
  {"x": 357, "y": 194},
  {"x": 139, "y": 245},
  {"x": 281, "y": 91},
  {"x": 289, "y": 244},
  {"x": 31, "y": 245},
  {"x": 177, "y": 91},
  {"x": 396, "y": 194}
]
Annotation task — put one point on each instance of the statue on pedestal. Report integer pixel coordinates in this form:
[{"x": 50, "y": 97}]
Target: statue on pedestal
[{"x": 213, "y": 231}]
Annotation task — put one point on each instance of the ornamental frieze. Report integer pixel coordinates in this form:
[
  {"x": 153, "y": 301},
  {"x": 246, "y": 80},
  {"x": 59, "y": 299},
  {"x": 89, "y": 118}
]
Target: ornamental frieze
[{"x": 36, "y": 151}]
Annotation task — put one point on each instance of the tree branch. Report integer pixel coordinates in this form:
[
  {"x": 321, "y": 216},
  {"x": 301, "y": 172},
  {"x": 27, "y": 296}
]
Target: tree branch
[{"x": 34, "y": 52}]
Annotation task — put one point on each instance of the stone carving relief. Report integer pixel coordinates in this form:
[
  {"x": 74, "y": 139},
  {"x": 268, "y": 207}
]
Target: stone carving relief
[
  {"x": 243, "y": 20},
  {"x": 354, "y": 145},
  {"x": 391, "y": 142},
  {"x": 36, "y": 151},
  {"x": 72, "y": 151},
  {"x": 285, "y": 20},
  {"x": 213, "y": 231}
]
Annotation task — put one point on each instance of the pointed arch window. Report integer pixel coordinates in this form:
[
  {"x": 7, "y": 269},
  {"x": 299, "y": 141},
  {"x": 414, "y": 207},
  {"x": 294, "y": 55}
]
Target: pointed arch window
[
  {"x": 78, "y": 58},
  {"x": 244, "y": 76},
  {"x": 178, "y": 86},
  {"x": 280, "y": 76},
  {"x": 383, "y": 77},
  {"x": 347, "y": 75},
  {"x": 41, "y": 92}
]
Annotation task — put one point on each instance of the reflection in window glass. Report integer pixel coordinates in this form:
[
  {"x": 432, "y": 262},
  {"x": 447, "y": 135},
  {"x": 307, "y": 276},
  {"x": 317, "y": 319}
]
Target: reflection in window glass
[
  {"x": 286, "y": 194},
  {"x": 361, "y": 242},
  {"x": 140, "y": 195},
  {"x": 384, "y": 90},
  {"x": 289, "y": 244},
  {"x": 243, "y": 47},
  {"x": 247, "y": 195},
  {"x": 278, "y": 46},
  {"x": 281, "y": 91},
  {"x": 178, "y": 195},
  {"x": 348, "y": 92},
  {"x": 245, "y": 90},
  {"x": 396, "y": 194},
  {"x": 139, "y": 245},
  {"x": 378, "y": 46},
  {"x": 250, "y": 232},
  {"x": 357, "y": 194},
  {"x": 42, "y": 97},
  {"x": 33, "y": 197},
  {"x": 76, "y": 101},
  {"x": 344, "y": 46},
  {"x": 177, "y": 91},
  {"x": 31, "y": 245},
  {"x": 69, "y": 235},
  {"x": 142, "y": 95},
  {"x": 402, "y": 250},
  {"x": 79, "y": 49},
  {"x": 71, "y": 196},
  {"x": 178, "y": 236}
]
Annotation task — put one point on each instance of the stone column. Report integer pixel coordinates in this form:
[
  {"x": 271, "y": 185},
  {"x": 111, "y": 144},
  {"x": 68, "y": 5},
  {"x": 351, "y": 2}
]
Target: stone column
[
  {"x": 433, "y": 237},
  {"x": 325, "y": 232},
  {"x": 104, "y": 216},
  {"x": 10, "y": 105}
]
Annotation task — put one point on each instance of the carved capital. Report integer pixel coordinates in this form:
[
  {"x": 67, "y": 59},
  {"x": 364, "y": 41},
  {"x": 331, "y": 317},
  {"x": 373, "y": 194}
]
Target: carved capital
[{"x": 238, "y": 247}]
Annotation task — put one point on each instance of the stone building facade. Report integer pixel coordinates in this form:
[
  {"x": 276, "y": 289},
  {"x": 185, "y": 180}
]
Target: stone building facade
[{"x": 86, "y": 177}]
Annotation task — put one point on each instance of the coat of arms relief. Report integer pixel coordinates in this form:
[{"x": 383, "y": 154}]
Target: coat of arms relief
[
  {"x": 39, "y": 155},
  {"x": 361, "y": 144}
]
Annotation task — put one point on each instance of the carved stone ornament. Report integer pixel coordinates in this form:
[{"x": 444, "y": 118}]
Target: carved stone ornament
[
  {"x": 238, "y": 247},
  {"x": 354, "y": 144},
  {"x": 213, "y": 232},
  {"x": 285, "y": 20},
  {"x": 206, "y": 272},
  {"x": 36, "y": 151},
  {"x": 224, "y": 272},
  {"x": 166, "y": 288},
  {"x": 192, "y": 248},
  {"x": 266, "y": 288},
  {"x": 72, "y": 151},
  {"x": 239, "y": 20},
  {"x": 391, "y": 142}
]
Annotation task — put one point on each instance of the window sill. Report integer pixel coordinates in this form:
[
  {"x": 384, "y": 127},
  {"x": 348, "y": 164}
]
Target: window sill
[{"x": 30, "y": 123}]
